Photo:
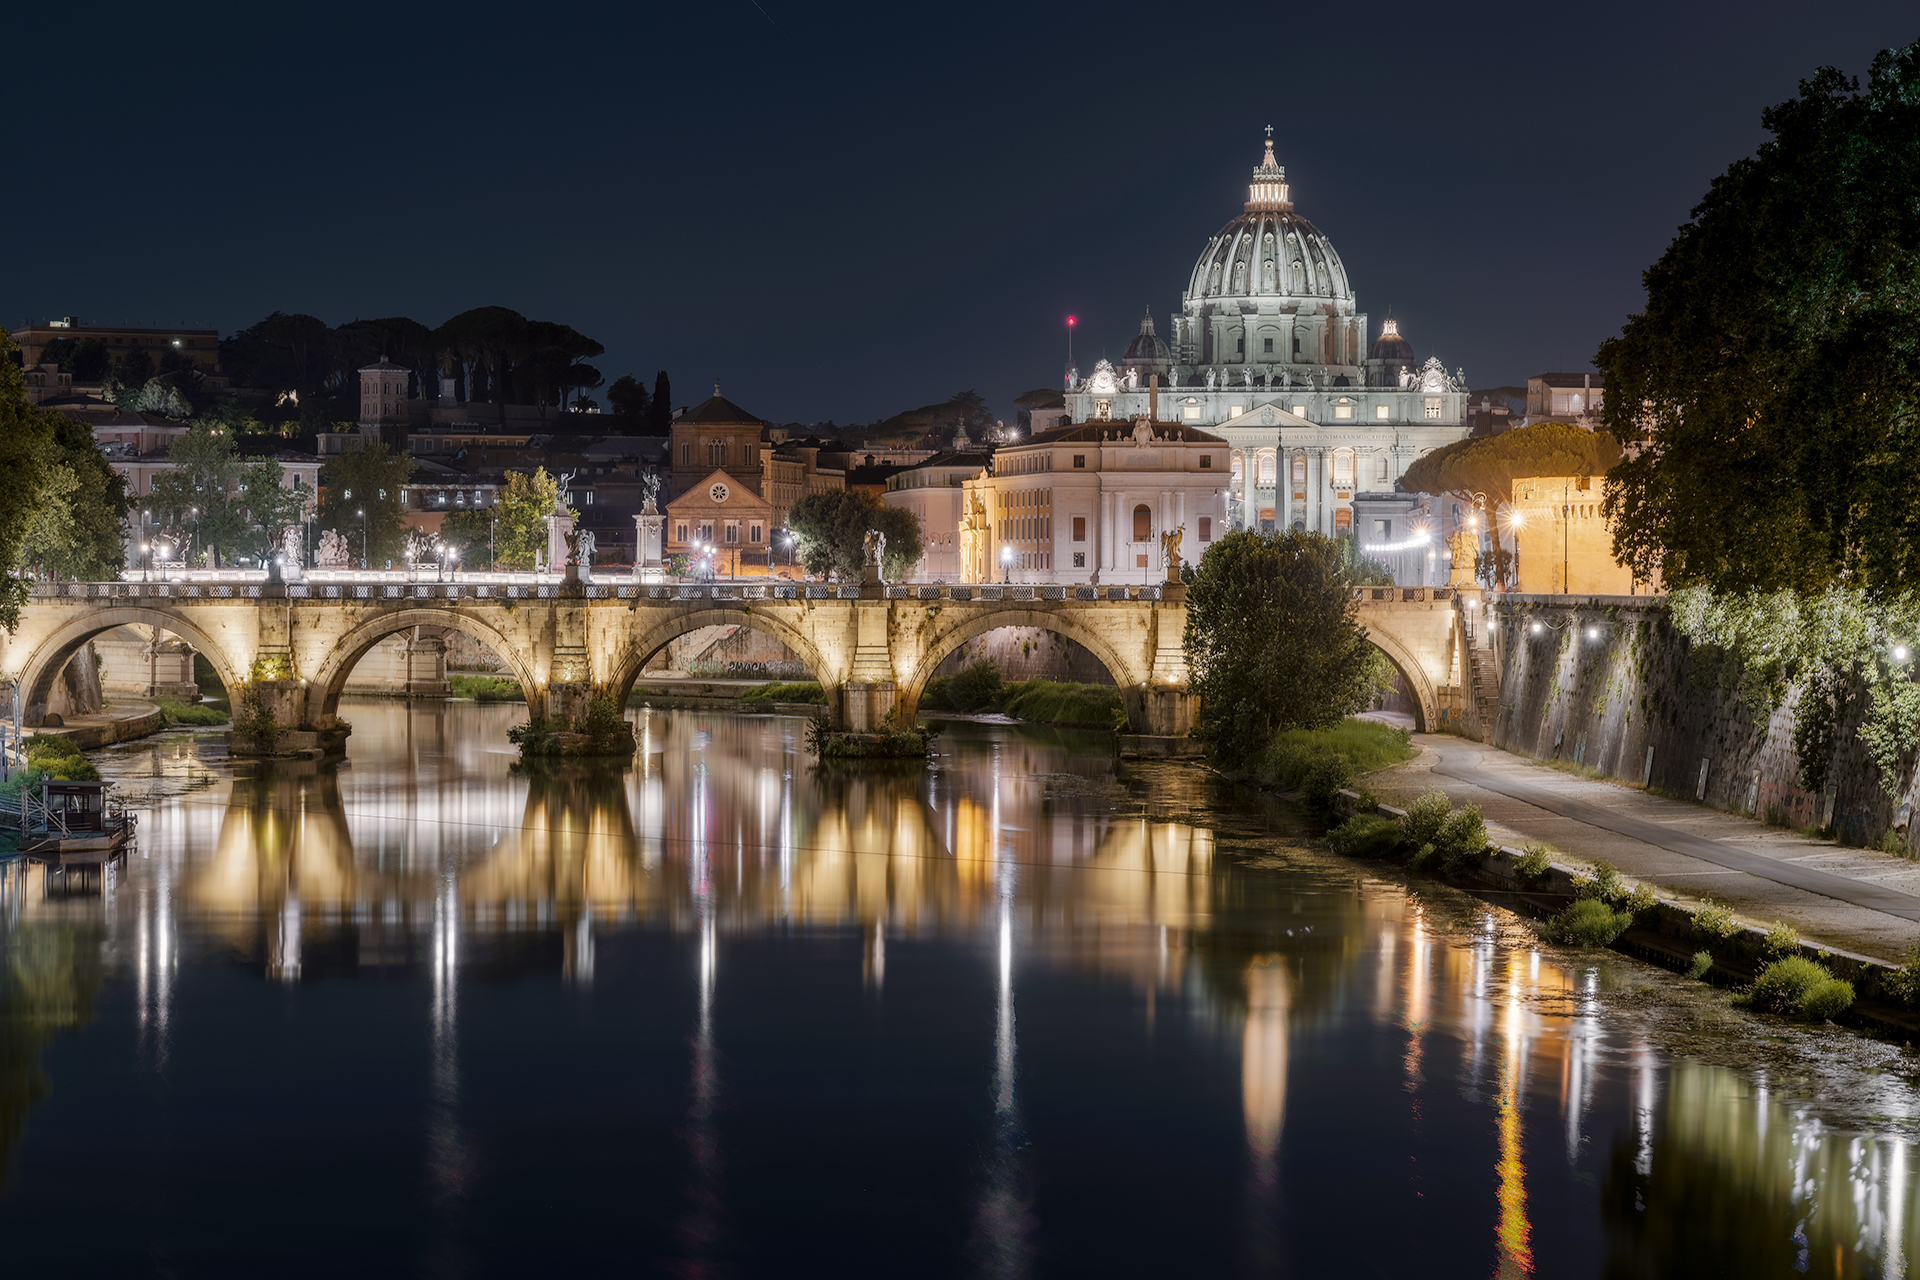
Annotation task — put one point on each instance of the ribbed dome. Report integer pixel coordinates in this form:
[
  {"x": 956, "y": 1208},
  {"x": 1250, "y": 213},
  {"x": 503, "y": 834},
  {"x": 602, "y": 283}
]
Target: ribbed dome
[
  {"x": 1147, "y": 352},
  {"x": 1269, "y": 250},
  {"x": 1390, "y": 345}
]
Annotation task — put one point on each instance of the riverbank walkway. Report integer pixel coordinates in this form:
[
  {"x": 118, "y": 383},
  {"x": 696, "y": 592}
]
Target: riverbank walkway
[{"x": 1855, "y": 899}]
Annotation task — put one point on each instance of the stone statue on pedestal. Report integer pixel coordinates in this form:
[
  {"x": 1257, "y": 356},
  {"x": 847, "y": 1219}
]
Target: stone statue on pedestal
[{"x": 876, "y": 550}]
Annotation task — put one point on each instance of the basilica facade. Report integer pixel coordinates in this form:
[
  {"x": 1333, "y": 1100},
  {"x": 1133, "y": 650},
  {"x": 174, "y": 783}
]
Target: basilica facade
[{"x": 1269, "y": 352}]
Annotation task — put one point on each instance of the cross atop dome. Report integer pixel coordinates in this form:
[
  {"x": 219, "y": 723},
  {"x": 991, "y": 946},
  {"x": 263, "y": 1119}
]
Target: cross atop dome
[{"x": 1269, "y": 187}]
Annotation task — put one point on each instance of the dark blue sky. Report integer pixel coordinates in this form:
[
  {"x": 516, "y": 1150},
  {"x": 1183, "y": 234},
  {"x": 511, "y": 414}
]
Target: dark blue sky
[{"x": 849, "y": 210}]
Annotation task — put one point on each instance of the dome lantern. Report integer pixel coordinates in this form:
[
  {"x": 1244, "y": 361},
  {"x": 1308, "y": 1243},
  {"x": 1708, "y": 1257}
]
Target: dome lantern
[{"x": 1268, "y": 190}]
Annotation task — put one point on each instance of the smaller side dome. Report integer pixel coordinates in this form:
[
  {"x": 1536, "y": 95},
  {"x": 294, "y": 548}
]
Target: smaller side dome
[
  {"x": 1147, "y": 352},
  {"x": 1390, "y": 345}
]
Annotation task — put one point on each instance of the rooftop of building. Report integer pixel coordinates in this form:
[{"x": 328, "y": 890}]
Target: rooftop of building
[
  {"x": 716, "y": 409},
  {"x": 1115, "y": 432},
  {"x": 1569, "y": 379}
]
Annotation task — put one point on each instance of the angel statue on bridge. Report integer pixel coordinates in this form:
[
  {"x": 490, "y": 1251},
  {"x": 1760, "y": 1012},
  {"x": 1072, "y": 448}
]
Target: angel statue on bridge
[
  {"x": 1170, "y": 551},
  {"x": 876, "y": 548}
]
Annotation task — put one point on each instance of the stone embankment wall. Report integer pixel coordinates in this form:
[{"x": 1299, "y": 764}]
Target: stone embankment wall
[
  {"x": 1608, "y": 683},
  {"x": 1028, "y": 653}
]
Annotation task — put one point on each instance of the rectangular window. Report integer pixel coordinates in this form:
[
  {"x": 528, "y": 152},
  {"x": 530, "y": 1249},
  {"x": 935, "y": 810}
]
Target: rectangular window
[
  {"x": 1267, "y": 346},
  {"x": 686, "y": 454},
  {"x": 1380, "y": 411},
  {"x": 1343, "y": 411},
  {"x": 1240, "y": 343},
  {"x": 1296, "y": 344},
  {"x": 1193, "y": 413},
  {"x": 1383, "y": 530},
  {"x": 586, "y": 497},
  {"x": 1079, "y": 528},
  {"x": 1079, "y": 559},
  {"x": 1234, "y": 412},
  {"x": 1299, "y": 411},
  {"x": 1433, "y": 406},
  {"x": 1206, "y": 528},
  {"x": 1139, "y": 562},
  {"x": 1079, "y": 459},
  {"x": 1206, "y": 461},
  {"x": 1343, "y": 520}
]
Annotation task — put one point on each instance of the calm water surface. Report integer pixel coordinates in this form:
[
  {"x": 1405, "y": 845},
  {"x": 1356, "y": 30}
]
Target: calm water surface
[{"x": 1027, "y": 1012}]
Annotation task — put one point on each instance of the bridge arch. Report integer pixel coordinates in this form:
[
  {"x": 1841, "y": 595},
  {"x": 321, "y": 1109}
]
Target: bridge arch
[
  {"x": 47, "y": 660},
  {"x": 331, "y": 679},
  {"x": 1426, "y": 702},
  {"x": 914, "y": 683},
  {"x": 633, "y": 659}
]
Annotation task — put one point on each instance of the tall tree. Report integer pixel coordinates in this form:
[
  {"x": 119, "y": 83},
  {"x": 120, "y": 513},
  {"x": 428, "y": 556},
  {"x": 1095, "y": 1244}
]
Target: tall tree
[
  {"x": 660, "y": 412},
  {"x": 831, "y": 532},
  {"x": 1274, "y": 640},
  {"x": 486, "y": 340},
  {"x": 628, "y": 396},
  {"x": 212, "y": 500},
  {"x": 520, "y": 531},
  {"x": 1770, "y": 391},
  {"x": 360, "y": 500},
  {"x": 79, "y": 533},
  {"x": 469, "y": 534},
  {"x": 25, "y": 434}
]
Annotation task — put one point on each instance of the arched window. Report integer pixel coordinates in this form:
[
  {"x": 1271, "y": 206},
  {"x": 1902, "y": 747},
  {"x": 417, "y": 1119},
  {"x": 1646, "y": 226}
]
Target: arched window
[
  {"x": 1299, "y": 470},
  {"x": 1343, "y": 468},
  {"x": 1142, "y": 523},
  {"x": 1266, "y": 469},
  {"x": 1239, "y": 463}
]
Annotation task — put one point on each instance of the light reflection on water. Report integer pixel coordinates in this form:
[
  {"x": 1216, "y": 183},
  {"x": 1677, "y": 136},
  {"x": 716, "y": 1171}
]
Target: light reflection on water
[{"x": 1017, "y": 1014}]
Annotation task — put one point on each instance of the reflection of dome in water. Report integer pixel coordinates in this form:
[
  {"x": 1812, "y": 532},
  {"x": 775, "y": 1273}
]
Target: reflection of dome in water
[{"x": 1147, "y": 352}]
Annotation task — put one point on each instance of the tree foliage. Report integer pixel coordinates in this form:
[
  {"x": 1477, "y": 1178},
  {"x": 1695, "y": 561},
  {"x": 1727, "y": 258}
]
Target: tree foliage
[
  {"x": 831, "y": 531},
  {"x": 521, "y": 513},
  {"x": 213, "y": 500},
  {"x": 1487, "y": 467},
  {"x": 660, "y": 408},
  {"x": 1274, "y": 640},
  {"x": 78, "y": 532},
  {"x": 628, "y": 395},
  {"x": 366, "y": 480},
  {"x": 468, "y": 533},
  {"x": 1771, "y": 385}
]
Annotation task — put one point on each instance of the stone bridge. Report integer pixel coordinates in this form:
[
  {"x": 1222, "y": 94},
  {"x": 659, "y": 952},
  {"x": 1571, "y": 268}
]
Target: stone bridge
[{"x": 872, "y": 648}]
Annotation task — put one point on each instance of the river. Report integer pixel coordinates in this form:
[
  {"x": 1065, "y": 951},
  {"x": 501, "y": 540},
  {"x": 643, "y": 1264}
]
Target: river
[{"x": 1028, "y": 1011}]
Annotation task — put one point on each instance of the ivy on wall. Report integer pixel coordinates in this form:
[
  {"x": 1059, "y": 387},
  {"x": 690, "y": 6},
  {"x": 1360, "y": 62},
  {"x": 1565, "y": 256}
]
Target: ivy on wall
[{"x": 1830, "y": 648}]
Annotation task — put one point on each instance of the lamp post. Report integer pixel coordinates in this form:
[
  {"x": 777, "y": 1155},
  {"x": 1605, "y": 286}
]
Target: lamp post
[
  {"x": 146, "y": 554},
  {"x": 365, "y": 564},
  {"x": 1006, "y": 565}
]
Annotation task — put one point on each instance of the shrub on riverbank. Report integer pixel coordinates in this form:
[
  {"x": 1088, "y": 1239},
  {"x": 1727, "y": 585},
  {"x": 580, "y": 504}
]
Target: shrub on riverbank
[
  {"x": 1365, "y": 835},
  {"x": 1782, "y": 941},
  {"x": 605, "y": 731},
  {"x": 57, "y": 758},
  {"x": 1702, "y": 964},
  {"x": 176, "y": 712},
  {"x": 1434, "y": 833},
  {"x": 1589, "y": 922},
  {"x": 801, "y": 691},
  {"x": 1363, "y": 745},
  {"x": 487, "y": 688},
  {"x": 1534, "y": 865},
  {"x": 979, "y": 687},
  {"x": 1800, "y": 988},
  {"x": 1715, "y": 925},
  {"x": 889, "y": 743}
]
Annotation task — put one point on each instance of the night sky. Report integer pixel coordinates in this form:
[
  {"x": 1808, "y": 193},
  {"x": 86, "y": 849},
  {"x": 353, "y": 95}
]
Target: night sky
[{"x": 844, "y": 211}]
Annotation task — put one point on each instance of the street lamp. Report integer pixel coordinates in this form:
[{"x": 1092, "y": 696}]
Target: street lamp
[
  {"x": 146, "y": 554},
  {"x": 365, "y": 564},
  {"x": 1006, "y": 565}
]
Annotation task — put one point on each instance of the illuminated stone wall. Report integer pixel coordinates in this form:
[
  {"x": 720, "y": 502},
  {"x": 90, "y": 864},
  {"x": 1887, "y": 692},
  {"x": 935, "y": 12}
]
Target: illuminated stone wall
[{"x": 1601, "y": 681}]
